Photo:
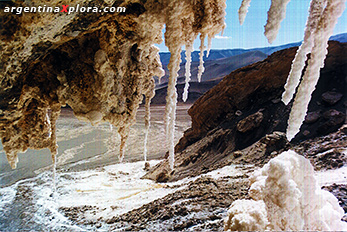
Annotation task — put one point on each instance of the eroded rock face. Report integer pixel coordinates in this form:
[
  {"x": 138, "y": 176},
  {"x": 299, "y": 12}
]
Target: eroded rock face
[
  {"x": 258, "y": 87},
  {"x": 241, "y": 120},
  {"x": 100, "y": 64}
]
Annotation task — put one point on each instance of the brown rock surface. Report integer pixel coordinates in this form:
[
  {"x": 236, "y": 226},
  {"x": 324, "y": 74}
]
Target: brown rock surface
[
  {"x": 202, "y": 205},
  {"x": 258, "y": 85},
  {"x": 249, "y": 123},
  {"x": 215, "y": 151},
  {"x": 331, "y": 97},
  {"x": 218, "y": 129},
  {"x": 312, "y": 117},
  {"x": 100, "y": 64}
]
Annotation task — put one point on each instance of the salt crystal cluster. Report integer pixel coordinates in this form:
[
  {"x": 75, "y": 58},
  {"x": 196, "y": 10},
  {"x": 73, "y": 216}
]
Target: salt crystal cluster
[
  {"x": 317, "y": 46},
  {"x": 286, "y": 197},
  {"x": 323, "y": 15}
]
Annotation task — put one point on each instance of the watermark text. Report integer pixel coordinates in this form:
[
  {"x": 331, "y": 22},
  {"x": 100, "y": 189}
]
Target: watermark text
[{"x": 63, "y": 9}]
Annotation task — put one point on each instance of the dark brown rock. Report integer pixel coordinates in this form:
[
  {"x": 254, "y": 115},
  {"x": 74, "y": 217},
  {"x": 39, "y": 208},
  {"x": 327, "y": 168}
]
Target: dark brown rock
[
  {"x": 205, "y": 199},
  {"x": 333, "y": 114},
  {"x": 333, "y": 120},
  {"x": 218, "y": 130},
  {"x": 259, "y": 86},
  {"x": 312, "y": 117},
  {"x": 331, "y": 97},
  {"x": 250, "y": 122},
  {"x": 306, "y": 133},
  {"x": 216, "y": 151},
  {"x": 147, "y": 166},
  {"x": 325, "y": 152}
]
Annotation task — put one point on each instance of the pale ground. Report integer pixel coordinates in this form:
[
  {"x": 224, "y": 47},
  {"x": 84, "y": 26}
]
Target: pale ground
[{"x": 79, "y": 141}]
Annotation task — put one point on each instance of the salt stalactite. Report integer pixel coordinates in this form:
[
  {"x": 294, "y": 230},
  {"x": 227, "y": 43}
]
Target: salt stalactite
[
  {"x": 324, "y": 30},
  {"x": 12, "y": 159},
  {"x": 276, "y": 14},
  {"x": 147, "y": 125},
  {"x": 174, "y": 39},
  {"x": 209, "y": 45},
  {"x": 189, "y": 50},
  {"x": 53, "y": 143},
  {"x": 180, "y": 29},
  {"x": 315, "y": 13},
  {"x": 202, "y": 48},
  {"x": 171, "y": 100},
  {"x": 124, "y": 134},
  {"x": 243, "y": 10}
]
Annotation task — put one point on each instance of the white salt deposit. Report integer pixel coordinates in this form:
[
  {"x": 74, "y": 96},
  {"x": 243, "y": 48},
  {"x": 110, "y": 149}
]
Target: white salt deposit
[
  {"x": 324, "y": 30},
  {"x": 292, "y": 197},
  {"x": 189, "y": 50},
  {"x": 201, "y": 54},
  {"x": 315, "y": 12},
  {"x": 243, "y": 10},
  {"x": 335, "y": 176},
  {"x": 276, "y": 14}
]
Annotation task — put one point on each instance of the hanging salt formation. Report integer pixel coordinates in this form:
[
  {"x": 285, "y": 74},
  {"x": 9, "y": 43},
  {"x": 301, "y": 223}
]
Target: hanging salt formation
[
  {"x": 105, "y": 82},
  {"x": 148, "y": 96},
  {"x": 184, "y": 21},
  {"x": 189, "y": 49},
  {"x": 202, "y": 49},
  {"x": 243, "y": 10},
  {"x": 108, "y": 82},
  {"x": 324, "y": 30},
  {"x": 147, "y": 125},
  {"x": 315, "y": 12},
  {"x": 322, "y": 19},
  {"x": 54, "y": 147},
  {"x": 276, "y": 14}
]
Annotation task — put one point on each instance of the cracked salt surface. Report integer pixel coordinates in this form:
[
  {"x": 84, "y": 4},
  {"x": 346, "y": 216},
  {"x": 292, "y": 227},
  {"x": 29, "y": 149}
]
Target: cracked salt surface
[{"x": 106, "y": 192}]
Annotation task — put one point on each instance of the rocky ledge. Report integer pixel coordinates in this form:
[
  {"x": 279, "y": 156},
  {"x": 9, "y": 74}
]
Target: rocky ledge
[
  {"x": 243, "y": 117},
  {"x": 202, "y": 203}
]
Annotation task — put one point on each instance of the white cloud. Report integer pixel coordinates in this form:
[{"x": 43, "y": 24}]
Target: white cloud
[{"x": 222, "y": 37}]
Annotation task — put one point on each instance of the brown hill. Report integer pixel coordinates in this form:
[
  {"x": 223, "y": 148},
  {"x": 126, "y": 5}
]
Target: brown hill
[
  {"x": 215, "y": 70},
  {"x": 245, "y": 106}
]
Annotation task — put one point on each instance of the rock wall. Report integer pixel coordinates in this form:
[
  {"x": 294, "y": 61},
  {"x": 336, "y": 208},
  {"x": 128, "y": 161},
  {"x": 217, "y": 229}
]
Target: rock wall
[
  {"x": 241, "y": 118},
  {"x": 101, "y": 66},
  {"x": 244, "y": 91}
]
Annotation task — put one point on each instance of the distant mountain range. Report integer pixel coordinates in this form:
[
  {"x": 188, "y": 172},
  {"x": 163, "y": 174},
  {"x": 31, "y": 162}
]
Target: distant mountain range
[
  {"x": 215, "y": 70},
  {"x": 219, "y": 64},
  {"x": 217, "y": 54}
]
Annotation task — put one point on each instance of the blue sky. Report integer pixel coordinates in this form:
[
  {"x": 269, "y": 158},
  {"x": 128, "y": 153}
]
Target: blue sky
[{"x": 251, "y": 33}]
